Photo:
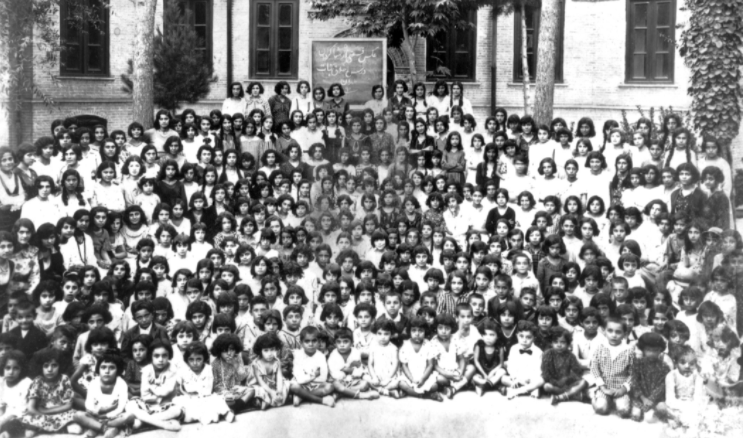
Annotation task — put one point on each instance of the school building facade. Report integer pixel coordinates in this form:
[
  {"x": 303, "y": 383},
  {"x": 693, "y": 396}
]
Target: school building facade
[{"x": 613, "y": 55}]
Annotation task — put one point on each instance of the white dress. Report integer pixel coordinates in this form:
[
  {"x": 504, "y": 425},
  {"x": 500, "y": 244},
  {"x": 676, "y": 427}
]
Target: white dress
[
  {"x": 198, "y": 401},
  {"x": 416, "y": 362}
]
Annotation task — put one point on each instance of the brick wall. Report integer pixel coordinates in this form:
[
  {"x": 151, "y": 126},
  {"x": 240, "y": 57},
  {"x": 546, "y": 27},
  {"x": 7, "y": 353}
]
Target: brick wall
[{"x": 594, "y": 54}]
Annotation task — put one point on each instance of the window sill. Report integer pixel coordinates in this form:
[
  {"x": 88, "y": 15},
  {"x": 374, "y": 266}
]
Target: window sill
[
  {"x": 85, "y": 78},
  {"x": 533, "y": 84},
  {"x": 648, "y": 85},
  {"x": 469, "y": 84}
]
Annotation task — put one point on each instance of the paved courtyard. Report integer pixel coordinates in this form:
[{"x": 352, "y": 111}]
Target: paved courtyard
[{"x": 467, "y": 416}]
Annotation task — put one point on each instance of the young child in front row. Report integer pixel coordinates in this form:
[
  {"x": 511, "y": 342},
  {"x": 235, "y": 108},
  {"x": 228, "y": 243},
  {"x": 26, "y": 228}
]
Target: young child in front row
[
  {"x": 346, "y": 368},
  {"x": 524, "y": 363},
  {"x": 155, "y": 407},
  {"x": 418, "y": 378},
  {"x": 448, "y": 355},
  {"x": 49, "y": 406},
  {"x": 310, "y": 381},
  {"x": 195, "y": 384},
  {"x": 648, "y": 377},
  {"x": 685, "y": 394},
  {"x": 14, "y": 387},
  {"x": 106, "y": 399},
  {"x": 611, "y": 367},
  {"x": 383, "y": 360},
  {"x": 231, "y": 378},
  {"x": 561, "y": 370},
  {"x": 488, "y": 358},
  {"x": 100, "y": 340},
  {"x": 271, "y": 388}
]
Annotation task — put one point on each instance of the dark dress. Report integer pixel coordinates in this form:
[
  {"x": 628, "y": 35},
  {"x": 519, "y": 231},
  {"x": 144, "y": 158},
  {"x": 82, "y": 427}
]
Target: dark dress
[
  {"x": 691, "y": 205},
  {"x": 333, "y": 145},
  {"x": 8, "y": 217},
  {"x": 169, "y": 193},
  {"x": 648, "y": 380},
  {"x": 4, "y": 290},
  {"x": 495, "y": 215},
  {"x": 488, "y": 362},
  {"x": 717, "y": 210},
  {"x": 397, "y": 105},
  {"x": 55, "y": 269},
  {"x": 417, "y": 145},
  {"x": 560, "y": 368},
  {"x": 482, "y": 176},
  {"x": 280, "y": 107},
  {"x": 341, "y": 107}
]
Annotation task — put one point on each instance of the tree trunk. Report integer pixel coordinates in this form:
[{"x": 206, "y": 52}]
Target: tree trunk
[
  {"x": 549, "y": 30},
  {"x": 17, "y": 56},
  {"x": 409, "y": 50},
  {"x": 143, "y": 88},
  {"x": 524, "y": 59}
]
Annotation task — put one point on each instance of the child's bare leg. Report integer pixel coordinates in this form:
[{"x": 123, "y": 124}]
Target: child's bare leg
[
  {"x": 246, "y": 395},
  {"x": 163, "y": 420},
  {"x": 469, "y": 371},
  {"x": 78, "y": 402},
  {"x": 531, "y": 386},
  {"x": 115, "y": 426},
  {"x": 479, "y": 381},
  {"x": 29, "y": 433},
  {"x": 574, "y": 392},
  {"x": 509, "y": 382},
  {"x": 601, "y": 403},
  {"x": 661, "y": 410},
  {"x": 319, "y": 396},
  {"x": 409, "y": 390},
  {"x": 637, "y": 414},
  {"x": 623, "y": 405},
  {"x": 495, "y": 376},
  {"x": 87, "y": 421},
  {"x": 360, "y": 390},
  {"x": 4, "y": 426},
  {"x": 553, "y": 389},
  {"x": 122, "y": 421}
]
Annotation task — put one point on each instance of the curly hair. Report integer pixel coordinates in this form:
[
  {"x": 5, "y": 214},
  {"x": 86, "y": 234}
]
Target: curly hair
[
  {"x": 266, "y": 341},
  {"x": 224, "y": 342}
]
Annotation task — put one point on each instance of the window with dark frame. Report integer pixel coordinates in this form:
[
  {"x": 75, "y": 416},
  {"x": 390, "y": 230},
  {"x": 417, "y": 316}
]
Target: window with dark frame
[
  {"x": 532, "y": 39},
  {"x": 199, "y": 15},
  {"x": 454, "y": 50},
  {"x": 650, "y": 40},
  {"x": 274, "y": 31},
  {"x": 83, "y": 28}
]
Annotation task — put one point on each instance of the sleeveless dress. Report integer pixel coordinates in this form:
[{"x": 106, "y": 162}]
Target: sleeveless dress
[{"x": 488, "y": 362}]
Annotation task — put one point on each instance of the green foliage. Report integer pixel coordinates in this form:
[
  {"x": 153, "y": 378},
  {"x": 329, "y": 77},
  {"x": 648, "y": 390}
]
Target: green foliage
[
  {"x": 710, "y": 45},
  {"x": 181, "y": 74}
]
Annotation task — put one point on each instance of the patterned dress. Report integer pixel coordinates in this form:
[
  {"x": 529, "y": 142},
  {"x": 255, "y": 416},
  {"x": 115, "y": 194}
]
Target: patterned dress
[
  {"x": 612, "y": 370},
  {"x": 27, "y": 274},
  {"x": 648, "y": 380},
  {"x": 272, "y": 376},
  {"x": 48, "y": 395}
]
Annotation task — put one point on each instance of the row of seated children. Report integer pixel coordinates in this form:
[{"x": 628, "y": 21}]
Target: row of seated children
[{"x": 430, "y": 355}]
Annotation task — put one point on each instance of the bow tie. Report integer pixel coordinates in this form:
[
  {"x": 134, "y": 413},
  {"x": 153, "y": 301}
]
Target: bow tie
[{"x": 525, "y": 352}]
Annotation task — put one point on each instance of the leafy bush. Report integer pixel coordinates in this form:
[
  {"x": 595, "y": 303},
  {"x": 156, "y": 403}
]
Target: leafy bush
[{"x": 181, "y": 73}]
